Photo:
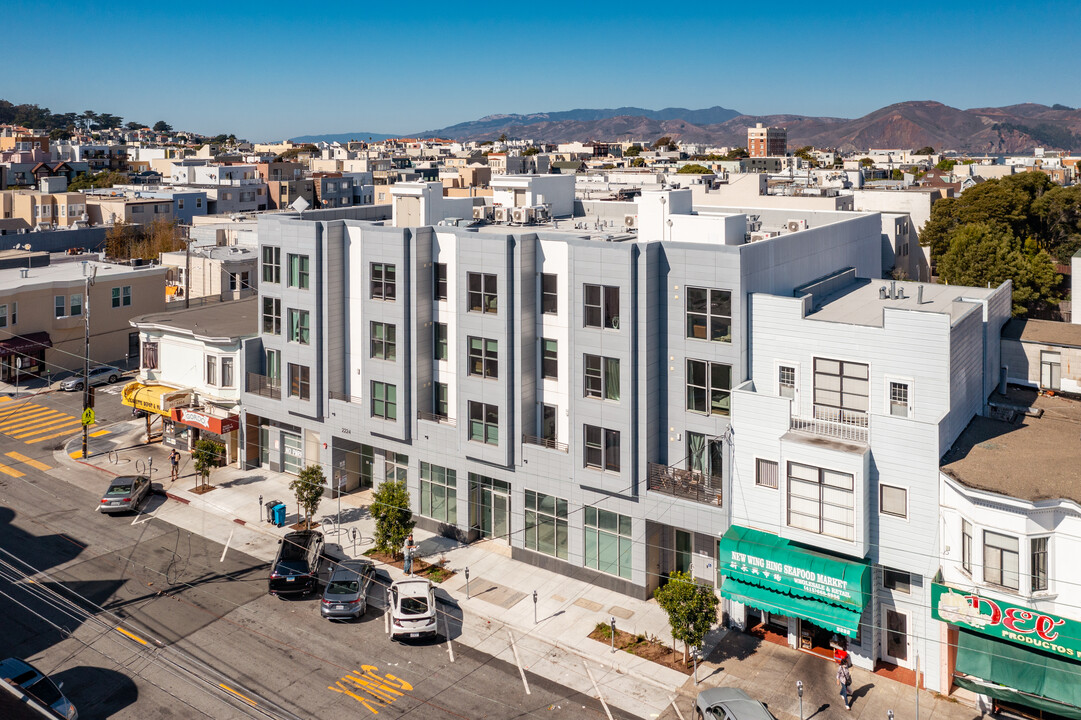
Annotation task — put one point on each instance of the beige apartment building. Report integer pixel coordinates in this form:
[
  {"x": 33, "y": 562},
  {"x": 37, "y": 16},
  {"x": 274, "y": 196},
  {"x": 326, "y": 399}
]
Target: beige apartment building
[
  {"x": 42, "y": 314},
  {"x": 217, "y": 273},
  {"x": 108, "y": 209},
  {"x": 36, "y": 208}
]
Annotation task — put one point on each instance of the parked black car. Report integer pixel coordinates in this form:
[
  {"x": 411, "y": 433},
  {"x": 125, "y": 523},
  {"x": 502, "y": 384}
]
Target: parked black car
[{"x": 296, "y": 569}]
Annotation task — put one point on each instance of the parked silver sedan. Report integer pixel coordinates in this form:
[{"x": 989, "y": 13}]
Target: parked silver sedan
[
  {"x": 125, "y": 493},
  {"x": 729, "y": 703},
  {"x": 98, "y": 376},
  {"x": 346, "y": 594}
]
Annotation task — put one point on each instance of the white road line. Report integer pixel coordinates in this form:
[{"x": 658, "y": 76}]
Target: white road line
[
  {"x": 521, "y": 671},
  {"x": 446, "y": 634},
  {"x": 672, "y": 701},
  {"x": 226, "y": 548},
  {"x": 599, "y": 696}
]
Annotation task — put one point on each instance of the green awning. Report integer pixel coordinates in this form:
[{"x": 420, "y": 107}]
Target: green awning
[
  {"x": 768, "y": 561},
  {"x": 1029, "y": 674},
  {"x": 825, "y": 615},
  {"x": 1005, "y": 694}
]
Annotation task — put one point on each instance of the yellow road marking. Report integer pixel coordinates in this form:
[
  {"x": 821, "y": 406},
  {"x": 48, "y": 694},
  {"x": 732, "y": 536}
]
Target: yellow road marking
[
  {"x": 99, "y": 433},
  {"x": 29, "y": 461},
  {"x": 245, "y": 698},
  {"x": 134, "y": 637},
  {"x": 4, "y": 398},
  {"x": 13, "y": 410},
  {"x": 41, "y": 422},
  {"x": 39, "y": 429},
  {"x": 10, "y": 471},
  {"x": 25, "y": 417},
  {"x": 48, "y": 437},
  {"x": 78, "y": 455}
]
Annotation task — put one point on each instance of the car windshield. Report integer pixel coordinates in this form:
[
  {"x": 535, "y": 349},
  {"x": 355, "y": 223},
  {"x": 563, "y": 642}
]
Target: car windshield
[
  {"x": 292, "y": 567},
  {"x": 119, "y": 489},
  {"x": 414, "y": 606},
  {"x": 343, "y": 587},
  {"x": 45, "y": 691}
]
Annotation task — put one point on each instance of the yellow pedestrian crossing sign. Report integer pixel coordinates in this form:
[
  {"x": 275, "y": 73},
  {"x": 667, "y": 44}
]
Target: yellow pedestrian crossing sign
[{"x": 88, "y": 416}]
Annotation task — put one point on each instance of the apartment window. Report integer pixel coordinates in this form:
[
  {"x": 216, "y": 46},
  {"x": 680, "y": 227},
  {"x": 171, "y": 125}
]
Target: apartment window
[
  {"x": 546, "y": 524},
  {"x": 765, "y": 473},
  {"x": 821, "y": 501},
  {"x": 150, "y": 356},
  {"x": 383, "y": 281},
  {"x": 602, "y": 306},
  {"x": 549, "y": 359},
  {"x": 121, "y": 296},
  {"x": 899, "y": 399},
  {"x": 60, "y": 305},
  {"x": 384, "y": 400},
  {"x": 484, "y": 357},
  {"x": 198, "y": 202},
  {"x": 180, "y": 203},
  {"x": 211, "y": 370},
  {"x": 966, "y": 546},
  {"x": 75, "y": 306},
  {"x": 3, "y": 316},
  {"x": 896, "y": 580},
  {"x": 601, "y": 377},
  {"x": 549, "y": 294},
  {"x": 384, "y": 342},
  {"x": 709, "y": 314},
  {"x": 272, "y": 316},
  {"x": 1038, "y": 559},
  {"x": 709, "y": 387},
  {"x": 608, "y": 542},
  {"x": 1000, "y": 560},
  {"x": 273, "y": 362},
  {"x": 299, "y": 329},
  {"x": 440, "y": 281},
  {"x": 298, "y": 271},
  {"x": 441, "y": 399},
  {"x": 299, "y": 381},
  {"x": 483, "y": 423},
  {"x": 442, "y": 350},
  {"x": 482, "y": 292},
  {"x": 840, "y": 390},
  {"x": 227, "y": 372},
  {"x": 786, "y": 381},
  {"x": 705, "y": 455},
  {"x": 601, "y": 448},
  {"x": 893, "y": 501},
  {"x": 548, "y": 422},
  {"x": 272, "y": 264},
  {"x": 396, "y": 467},
  {"x": 439, "y": 493}
]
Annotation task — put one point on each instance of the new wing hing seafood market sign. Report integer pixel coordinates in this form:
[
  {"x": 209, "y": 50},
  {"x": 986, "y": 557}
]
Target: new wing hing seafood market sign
[{"x": 1002, "y": 620}]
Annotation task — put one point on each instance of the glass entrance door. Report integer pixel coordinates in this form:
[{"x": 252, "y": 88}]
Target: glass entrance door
[
  {"x": 264, "y": 446},
  {"x": 294, "y": 454},
  {"x": 896, "y": 637},
  {"x": 489, "y": 507}
]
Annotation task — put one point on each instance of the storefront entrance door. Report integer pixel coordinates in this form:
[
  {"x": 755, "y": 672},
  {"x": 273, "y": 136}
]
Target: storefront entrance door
[
  {"x": 895, "y": 639},
  {"x": 292, "y": 460},
  {"x": 489, "y": 505}
]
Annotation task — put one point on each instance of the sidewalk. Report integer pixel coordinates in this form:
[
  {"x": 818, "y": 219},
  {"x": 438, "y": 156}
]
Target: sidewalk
[{"x": 500, "y": 593}]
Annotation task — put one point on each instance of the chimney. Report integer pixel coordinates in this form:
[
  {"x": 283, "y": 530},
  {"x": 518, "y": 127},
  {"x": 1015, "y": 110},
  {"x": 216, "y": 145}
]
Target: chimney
[
  {"x": 882, "y": 293},
  {"x": 84, "y": 268},
  {"x": 24, "y": 272},
  {"x": 893, "y": 290},
  {"x": 919, "y": 294}
]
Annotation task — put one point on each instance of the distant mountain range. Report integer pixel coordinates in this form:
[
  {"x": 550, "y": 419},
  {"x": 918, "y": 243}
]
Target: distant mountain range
[
  {"x": 913, "y": 124},
  {"x": 342, "y": 137}
]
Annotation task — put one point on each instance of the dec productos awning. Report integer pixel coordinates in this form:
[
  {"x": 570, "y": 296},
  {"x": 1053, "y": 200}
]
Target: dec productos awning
[
  {"x": 160, "y": 399},
  {"x": 1018, "y": 674},
  {"x": 770, "y": 572},
  {"x": 206, "y": 421},
  {"x": 25, "y": 344}
]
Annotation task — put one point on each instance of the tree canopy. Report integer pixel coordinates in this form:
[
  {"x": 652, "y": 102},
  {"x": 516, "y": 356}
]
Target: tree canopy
[
  {"x": 925, "y": 150},
  {"x": 393, "y": 518},
  {"x": 103, "y": 179},
  {"x": 665, "y": 143},
  {"x": 162, "y": 127},
  {"x": 691, "y": 609},
  {"x": 308, "y": 487},
  {"x": 694, "y": 169}
]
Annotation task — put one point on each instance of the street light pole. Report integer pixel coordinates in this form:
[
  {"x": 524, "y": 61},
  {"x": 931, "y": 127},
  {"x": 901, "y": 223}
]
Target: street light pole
[{"x": 89, "y": 282}]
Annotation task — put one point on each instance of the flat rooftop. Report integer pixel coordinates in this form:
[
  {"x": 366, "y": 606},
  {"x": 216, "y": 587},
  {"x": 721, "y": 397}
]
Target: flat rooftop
[
  {"x": 860, "y": 303},
  {"x": 1042, "y": 332},
  {"x": 1031, "y": 458},
  {"x": 239, "y": 318},
  {"x": 62, "y": 271}
]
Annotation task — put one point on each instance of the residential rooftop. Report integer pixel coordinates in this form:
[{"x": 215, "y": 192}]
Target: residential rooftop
[
  {"x": 1031, "y": 458},
  {"x": 218, "y": 321},
  {"x": 863, "y": 302},
  {"x": 1043, "y": 332},
  {"x": 13, "y": 278}
]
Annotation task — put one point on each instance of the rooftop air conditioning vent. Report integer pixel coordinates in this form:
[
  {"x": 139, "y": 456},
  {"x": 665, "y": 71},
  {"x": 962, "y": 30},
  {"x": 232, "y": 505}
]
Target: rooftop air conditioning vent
[{"x": 630, "y": 221}]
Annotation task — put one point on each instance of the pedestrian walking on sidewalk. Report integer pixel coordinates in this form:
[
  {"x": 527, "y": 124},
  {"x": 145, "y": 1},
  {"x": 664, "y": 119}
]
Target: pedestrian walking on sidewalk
[
  {"x": 174, "y": 464},
  {"x": 844, "y": 679},
  {"x": 407, "y": 552}
]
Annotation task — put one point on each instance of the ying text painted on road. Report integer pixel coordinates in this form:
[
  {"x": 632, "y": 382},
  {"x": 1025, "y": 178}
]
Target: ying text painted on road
[{"x": 381, "y": 690}]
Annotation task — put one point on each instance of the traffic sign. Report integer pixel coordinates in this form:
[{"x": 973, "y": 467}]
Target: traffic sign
[{"x": 88, "y": 416}]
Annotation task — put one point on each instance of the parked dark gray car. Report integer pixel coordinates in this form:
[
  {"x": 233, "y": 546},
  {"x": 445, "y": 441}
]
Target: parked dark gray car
[
  {"x": 346, "y": 594},
  {"x": 125, "y": 493}
]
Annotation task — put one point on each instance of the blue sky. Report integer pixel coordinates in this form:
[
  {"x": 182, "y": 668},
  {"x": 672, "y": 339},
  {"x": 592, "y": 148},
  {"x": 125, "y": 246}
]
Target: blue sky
[{"x": 276, "y": 69}]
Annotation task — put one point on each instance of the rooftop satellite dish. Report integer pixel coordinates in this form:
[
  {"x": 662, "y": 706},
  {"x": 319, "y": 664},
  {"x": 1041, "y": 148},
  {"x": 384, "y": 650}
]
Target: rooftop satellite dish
[{"x": 300, "y": 205}]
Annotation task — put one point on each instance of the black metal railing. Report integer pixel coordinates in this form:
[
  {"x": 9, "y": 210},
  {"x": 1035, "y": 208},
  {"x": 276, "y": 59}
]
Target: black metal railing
[
  {"x": 432, "y": 417},
  {"x": 265, "y": 386},
  {"x": 545, "y": 443},
  {"x": 686, "y": 484},
  {"x": 344, "y": 397}
]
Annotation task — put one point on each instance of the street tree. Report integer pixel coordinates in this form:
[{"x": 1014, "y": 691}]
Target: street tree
[
  {"x": 632, "y": 151},
  {"x": 308, "y": 487},
  {"x": 393, "y": 518},
  {"x": 120, "y": 240},
  {"x": 866, "y": 162},
  {"x": 693, "y": 169},
  {"x": 206, "y": 456},
  {"x": 691, "y": 609},
  {"x": 162, "y": 127},
  {"x": 665, "y": 143},
  {"x": 925, "y": 150}
]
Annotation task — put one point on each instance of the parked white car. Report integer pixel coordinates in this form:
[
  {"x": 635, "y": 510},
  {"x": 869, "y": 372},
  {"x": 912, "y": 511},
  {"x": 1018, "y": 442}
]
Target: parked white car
[{"x": 412, "y": 608}]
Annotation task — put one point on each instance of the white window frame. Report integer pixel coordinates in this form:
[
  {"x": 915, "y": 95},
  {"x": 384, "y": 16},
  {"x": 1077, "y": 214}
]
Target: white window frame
[
  {"x": 777, "y": 365},
  {"x": 887, "y": 401},
  {"x": 904, "y": 489}
]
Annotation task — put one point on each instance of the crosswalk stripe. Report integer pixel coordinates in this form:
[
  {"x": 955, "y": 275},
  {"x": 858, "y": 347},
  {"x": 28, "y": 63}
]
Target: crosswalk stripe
[
  {"x": 4, "y": 398},
  {"x": 46, "y": 428},
  {"x": 49, "y": 437},
  {"x": 10, "y": 471},
  {"x": 99, "y": 433},
  {"x": 25, "y": 421},
  {"x": 29, "y": 461},
  {"x": 13, "y": 417}
]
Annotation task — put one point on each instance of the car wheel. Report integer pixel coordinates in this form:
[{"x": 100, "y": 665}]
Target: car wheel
[
  {"x": 698, "y": 712},
  {"x": 113, "y": 379},
  {"x": 78, "y": 387}
]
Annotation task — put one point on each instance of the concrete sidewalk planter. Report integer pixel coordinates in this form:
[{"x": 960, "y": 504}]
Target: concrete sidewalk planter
[{"x": 648, "y": 648}]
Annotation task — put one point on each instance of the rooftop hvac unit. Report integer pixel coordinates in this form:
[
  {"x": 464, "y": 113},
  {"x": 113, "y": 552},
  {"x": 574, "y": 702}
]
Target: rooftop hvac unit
[
  {"x": 630, "y": 221},
  {"x": 483, "y": 212},
  {"x": 523, "y": 215},
  {"x": 796, "y": 225},
  {"x": 541, "y": 213},
  {"x": 761, "y": 235},
  {"x": 502, "y": 214}
]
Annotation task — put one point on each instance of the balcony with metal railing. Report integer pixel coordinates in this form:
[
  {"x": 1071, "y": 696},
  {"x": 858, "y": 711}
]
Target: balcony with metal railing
[
  {"x": 845, "y": 425},
  {"x": 685, "y": 484},
  {"x": 265, "y": 386},
  {"x": 551, "y": 444},
  {"x": 432, "y": 417}
]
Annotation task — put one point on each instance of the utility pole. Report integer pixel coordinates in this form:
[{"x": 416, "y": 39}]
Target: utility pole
[
  {"x": 187, "y": 273},
  {"x": 89, "y": 282}
]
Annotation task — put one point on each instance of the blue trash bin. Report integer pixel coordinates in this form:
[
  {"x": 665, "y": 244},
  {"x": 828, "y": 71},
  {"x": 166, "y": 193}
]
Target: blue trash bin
[{"x": 278, "y": 512}]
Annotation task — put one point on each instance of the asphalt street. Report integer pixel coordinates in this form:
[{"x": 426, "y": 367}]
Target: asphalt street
[{"x": 141, "y": 619}]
